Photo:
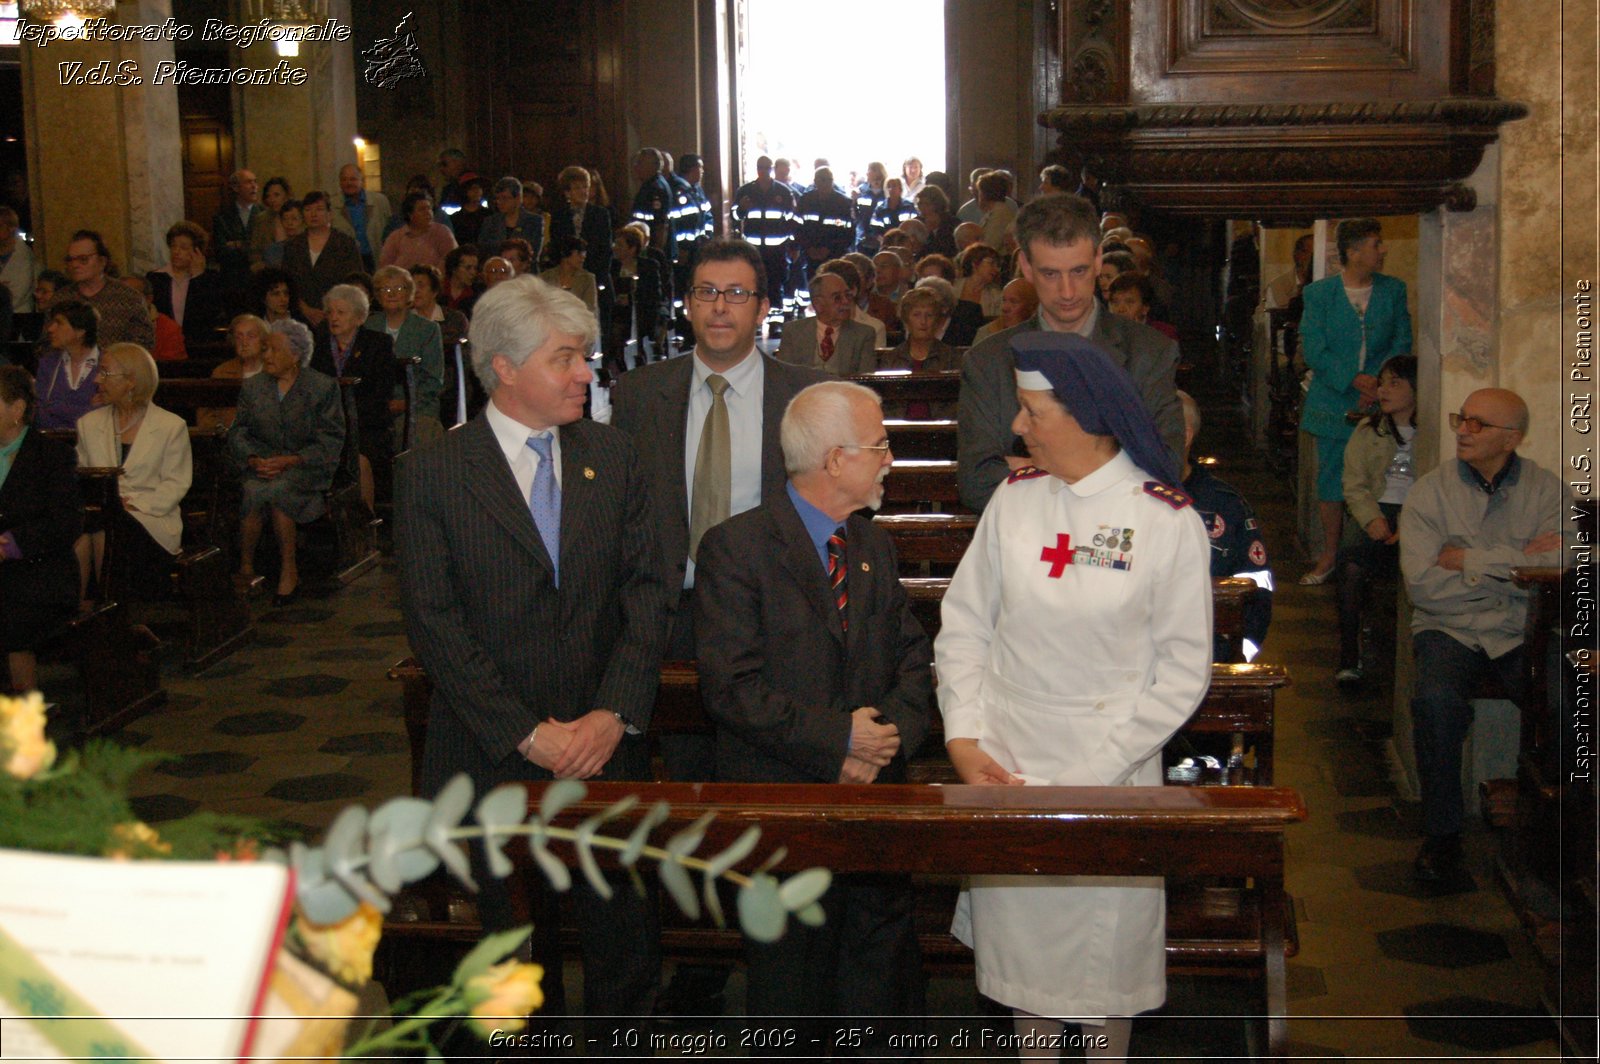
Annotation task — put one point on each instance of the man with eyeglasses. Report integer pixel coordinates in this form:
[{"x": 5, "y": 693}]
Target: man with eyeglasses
[
  {"x": 706, "y": 427},
  {"x": 830, "y": 340},
  {"x": 123, "y": 317},
  {"x": 816, "y": 671},
  {"x": 1465, "y": 525}
]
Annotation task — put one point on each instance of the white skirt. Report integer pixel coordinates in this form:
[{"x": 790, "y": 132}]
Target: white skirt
[{"x": 1063, "y": 946}]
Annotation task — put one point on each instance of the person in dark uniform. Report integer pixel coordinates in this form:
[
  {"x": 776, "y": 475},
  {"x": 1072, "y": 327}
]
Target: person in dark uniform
[
  {"x": 1238, "y": 546},
  {"x": 868, "y": 195},
  {"x": 685, "y": 219},
  {"x": 652, "y": 204},
  {"x": 764, "y": 211},
  {"x": 827, "y": 223}
]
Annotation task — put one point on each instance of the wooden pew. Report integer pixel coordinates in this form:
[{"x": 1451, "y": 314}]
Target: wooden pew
[
  {"x": 219, "y": 620},
  {"x": 922, "y": 439},
  {"x": 922, "y": 484},
  {"x": 1188, "y": 835},
  {"x": 1239, "y": 705},
  {"x": 903, "y": 386},
  {"x": 117, "y": 661},
  {"x": 353, "y": 526}
]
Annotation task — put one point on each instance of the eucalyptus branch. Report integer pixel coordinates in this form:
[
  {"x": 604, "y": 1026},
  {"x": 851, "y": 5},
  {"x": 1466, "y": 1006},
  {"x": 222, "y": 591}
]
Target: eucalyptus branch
[{"x": 371, "y": 857}]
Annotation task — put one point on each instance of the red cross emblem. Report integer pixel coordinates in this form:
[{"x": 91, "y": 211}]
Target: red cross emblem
[{"x": 1059, "y": 556}]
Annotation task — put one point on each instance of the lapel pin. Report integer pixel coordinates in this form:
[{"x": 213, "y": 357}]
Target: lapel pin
[
  {"x": 588, "y": 473},
  {"x": 866, "y": 568}
]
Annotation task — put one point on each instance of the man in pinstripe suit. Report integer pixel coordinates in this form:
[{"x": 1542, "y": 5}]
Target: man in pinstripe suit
[{"x": 534, "y": 598}]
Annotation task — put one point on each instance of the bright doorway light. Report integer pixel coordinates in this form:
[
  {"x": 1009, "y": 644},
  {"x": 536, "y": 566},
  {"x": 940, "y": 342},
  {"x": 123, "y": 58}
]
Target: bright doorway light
[{"x": 850, "y": 81}]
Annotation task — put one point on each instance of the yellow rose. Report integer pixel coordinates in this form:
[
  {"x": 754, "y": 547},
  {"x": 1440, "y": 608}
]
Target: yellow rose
[
  {"x": 344, "y": 949},
  {"x": 502, "y": 997},
  {"x": 136, "y": 839},
  {"x": 24, "y": 751}
]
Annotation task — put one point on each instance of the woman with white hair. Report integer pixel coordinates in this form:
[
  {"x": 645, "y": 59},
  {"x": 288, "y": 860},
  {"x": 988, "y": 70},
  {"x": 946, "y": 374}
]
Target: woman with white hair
[
  {"x": 344, "y": 349},
  {"x": 286, "y": 442},
  {"x": 151, "y": 445},
  {"x": 413, "y": 336}
]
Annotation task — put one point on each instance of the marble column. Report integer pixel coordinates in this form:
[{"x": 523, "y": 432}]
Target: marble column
[{"x": 104, "y": 157}]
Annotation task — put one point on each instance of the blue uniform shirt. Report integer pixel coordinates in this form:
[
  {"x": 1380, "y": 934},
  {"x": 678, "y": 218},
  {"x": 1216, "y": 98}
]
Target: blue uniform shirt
[{"x": 1238, "y": 547}]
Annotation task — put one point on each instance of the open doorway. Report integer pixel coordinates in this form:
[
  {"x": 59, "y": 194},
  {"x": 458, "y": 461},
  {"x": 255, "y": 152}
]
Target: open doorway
[{"x": 806, "y": 92}]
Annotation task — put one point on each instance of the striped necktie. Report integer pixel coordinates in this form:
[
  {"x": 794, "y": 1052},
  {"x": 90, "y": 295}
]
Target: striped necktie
[
  {"x": 836, "y": 576},
  {"x": 826, "y": 348}
]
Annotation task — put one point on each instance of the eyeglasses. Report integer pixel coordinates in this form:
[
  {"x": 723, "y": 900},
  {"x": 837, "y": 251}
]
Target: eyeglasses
[
  {"x": 392, "y": 290},
  {"x": 1474, "y": 425},
  {"x": 81, "y": 260},
  {"x": 879, "y": 447},
  {"x": 732, "y": 296}
]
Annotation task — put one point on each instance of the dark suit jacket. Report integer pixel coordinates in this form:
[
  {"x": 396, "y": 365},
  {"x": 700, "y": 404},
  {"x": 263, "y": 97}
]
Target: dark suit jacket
[
  {"x": 504, "y": 646},
  {"x": 230, "y": 239},
  {"x": 778, "y": 672},
  {"x": 371, "y": 359},
  {"x": 41, "y": 508},
  {"x": 988, "y": 402},
  {"x": 651, "y": 404},
  {"x": 202, "y": 310},
  {"x": 596, "y": 234},
  {"x": 339, "y": 259}
]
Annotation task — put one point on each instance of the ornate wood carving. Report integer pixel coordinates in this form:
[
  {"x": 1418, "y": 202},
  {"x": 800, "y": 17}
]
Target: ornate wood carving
[{"x": 1279, "y": 108}]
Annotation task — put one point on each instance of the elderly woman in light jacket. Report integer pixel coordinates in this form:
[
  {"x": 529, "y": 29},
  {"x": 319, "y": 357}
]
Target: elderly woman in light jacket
[{"x": 152, "y": 447}]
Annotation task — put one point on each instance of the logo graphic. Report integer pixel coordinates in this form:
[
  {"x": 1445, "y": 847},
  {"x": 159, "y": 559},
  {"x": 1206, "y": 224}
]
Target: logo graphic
[{"x": 390, "y": 60}]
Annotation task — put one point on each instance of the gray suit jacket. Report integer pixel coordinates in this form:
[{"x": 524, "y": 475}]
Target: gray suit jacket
[
  {"x": 651, "y": 404},
  {"x": 854, "y": 351},
  {"x": 504, "y": 646},
  {"x": 989, "y": 396}
]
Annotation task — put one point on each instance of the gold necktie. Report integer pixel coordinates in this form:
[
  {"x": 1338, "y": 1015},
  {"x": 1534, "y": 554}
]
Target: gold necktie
[{"x": 713, "y": 468}]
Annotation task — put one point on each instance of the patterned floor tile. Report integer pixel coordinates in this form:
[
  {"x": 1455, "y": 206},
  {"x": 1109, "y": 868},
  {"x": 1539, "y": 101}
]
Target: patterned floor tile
[
  {"x": 1395, "y": 877},
  {"x": 1478, "y": 1023},
  {"x": 208, "y": 763},
  {"x": 366, "y": 743},
  {"x": 154, "y": 808},
  {"x": 379, "y": 629},
  {"x": 326, "y": 787},
  {"x": 266, "y": 722},
  {"x": 1442, "y": 945},
  {"x": 306, "y": 685}
]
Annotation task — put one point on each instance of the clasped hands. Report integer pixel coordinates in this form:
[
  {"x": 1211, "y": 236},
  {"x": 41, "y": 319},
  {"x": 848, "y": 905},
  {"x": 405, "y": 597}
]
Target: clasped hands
[
  {"x": 272, "y": 468},
  {"x": 873, "y": 744},
  {"x": 576, "y": 749},
  {"x": 1454, "y": 558}
]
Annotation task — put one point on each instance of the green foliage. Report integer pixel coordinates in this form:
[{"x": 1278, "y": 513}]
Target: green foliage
[
  {"x": 366, "y": 858},
  {"x": 77, "y": 807}
]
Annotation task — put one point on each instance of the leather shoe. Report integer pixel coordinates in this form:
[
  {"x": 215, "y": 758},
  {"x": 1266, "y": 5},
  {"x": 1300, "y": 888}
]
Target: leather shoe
[
  {"x": 1439, "y": 859},
  {"x": 279, "y": 601}
]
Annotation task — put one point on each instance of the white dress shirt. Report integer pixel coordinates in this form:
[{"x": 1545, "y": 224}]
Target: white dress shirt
[{"x": 512, "y": 435}]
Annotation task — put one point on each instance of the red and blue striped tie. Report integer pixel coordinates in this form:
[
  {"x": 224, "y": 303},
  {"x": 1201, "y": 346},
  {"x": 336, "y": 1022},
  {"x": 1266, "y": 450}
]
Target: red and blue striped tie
[{"x": 836, "y": 577}]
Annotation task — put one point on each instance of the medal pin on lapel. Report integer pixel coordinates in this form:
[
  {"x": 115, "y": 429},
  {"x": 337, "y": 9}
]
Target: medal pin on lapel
[
  {"x": 588, "y": 473},
  {"x": 866, "y": 568}
]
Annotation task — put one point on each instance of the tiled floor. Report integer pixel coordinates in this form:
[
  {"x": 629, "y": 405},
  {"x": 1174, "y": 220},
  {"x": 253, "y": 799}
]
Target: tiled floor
[{"x": 304, "y": 722}]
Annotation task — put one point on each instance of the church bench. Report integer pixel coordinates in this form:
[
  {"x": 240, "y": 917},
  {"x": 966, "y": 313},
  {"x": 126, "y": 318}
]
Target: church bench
[
  {"x": 917, "y": 484},
  {"x": 903, "y": 386},
  {"x": 1194, "y": 837},
  {"x": 1239, "y": 707},
  {"x": 218, "y": 620},
  {"x": 352, "y": 526},
  {"x": 922, "y": 439},
  {"x": 195, "y": 367},
  {"x": 116, "y": 660}
]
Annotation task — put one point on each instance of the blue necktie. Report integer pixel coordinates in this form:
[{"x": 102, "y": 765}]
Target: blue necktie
[{"x": 544, "y": 502}]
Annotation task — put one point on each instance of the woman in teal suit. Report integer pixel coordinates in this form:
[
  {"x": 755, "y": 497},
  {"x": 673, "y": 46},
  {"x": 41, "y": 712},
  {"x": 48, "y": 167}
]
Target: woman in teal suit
[{"x": 1353, "y": 323}]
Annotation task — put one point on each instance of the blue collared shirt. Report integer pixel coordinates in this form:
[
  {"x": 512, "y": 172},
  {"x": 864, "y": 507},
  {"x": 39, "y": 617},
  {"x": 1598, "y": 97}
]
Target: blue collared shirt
[
  {"x": 819, "y": 526},
  {"x": 356, "y": 207}
]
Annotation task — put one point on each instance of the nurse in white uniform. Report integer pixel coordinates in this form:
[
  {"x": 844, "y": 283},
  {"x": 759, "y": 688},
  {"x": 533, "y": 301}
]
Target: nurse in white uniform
[{"x": 1075, "y": 640}]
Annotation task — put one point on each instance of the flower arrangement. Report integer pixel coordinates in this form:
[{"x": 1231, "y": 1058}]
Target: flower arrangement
[{"x": 80, "y": 806}]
